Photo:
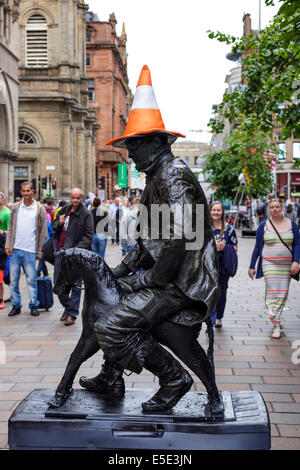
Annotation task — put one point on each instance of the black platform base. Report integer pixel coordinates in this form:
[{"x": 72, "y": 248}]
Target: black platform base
[{"x": 92, "y": 421}]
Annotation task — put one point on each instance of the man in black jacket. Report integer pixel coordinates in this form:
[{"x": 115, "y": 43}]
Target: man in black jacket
[{"x": 73, "y": 227}]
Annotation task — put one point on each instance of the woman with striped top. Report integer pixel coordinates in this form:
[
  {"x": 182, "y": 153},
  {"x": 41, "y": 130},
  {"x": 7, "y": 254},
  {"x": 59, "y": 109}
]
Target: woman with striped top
[{"x": 277, "y": 260}]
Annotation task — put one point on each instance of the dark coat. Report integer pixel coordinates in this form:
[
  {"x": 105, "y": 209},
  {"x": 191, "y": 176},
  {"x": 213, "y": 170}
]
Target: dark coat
[
  {"x": 80, "y": 229},
  {"x": 3, "y": 256},
  {"x": 193, "y": 271}
]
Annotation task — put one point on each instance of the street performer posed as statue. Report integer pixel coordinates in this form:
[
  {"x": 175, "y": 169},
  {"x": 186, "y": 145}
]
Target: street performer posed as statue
[{"x": 168, "y": 276}]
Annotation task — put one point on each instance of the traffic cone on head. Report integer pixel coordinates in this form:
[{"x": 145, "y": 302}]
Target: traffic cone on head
[{"x": 145, "y": 117}]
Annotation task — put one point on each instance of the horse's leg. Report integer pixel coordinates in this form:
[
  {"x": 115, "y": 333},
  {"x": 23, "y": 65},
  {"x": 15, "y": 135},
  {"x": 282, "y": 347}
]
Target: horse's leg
[
  {"x": 182, "y": 340},
  {"x": 86, "y": 347}
]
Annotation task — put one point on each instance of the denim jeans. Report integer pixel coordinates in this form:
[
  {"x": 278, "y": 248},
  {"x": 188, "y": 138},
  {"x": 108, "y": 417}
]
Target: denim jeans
[
  {"x": 27, "y": 260},
  {"x": 70, "y": 302},
  {"x": 99, "y": 245}
]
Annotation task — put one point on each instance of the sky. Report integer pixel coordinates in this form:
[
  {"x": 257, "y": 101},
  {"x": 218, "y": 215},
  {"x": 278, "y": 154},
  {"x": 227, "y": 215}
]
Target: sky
[{"x": 188, "y": 69}]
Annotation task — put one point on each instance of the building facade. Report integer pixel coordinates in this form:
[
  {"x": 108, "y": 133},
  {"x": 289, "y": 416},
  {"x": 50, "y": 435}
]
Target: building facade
[
  {"x": 233, "y": 80},
  {"x": 57, "y": 130},
  {"x": 109, "y": 95},
  {"x": 192, "y": 153},
  {"x": 9, "y": 39}
]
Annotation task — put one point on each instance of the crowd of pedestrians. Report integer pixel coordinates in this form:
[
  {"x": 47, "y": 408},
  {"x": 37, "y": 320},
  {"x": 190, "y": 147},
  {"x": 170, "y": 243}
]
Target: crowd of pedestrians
[{"x": 89, "y": 222}]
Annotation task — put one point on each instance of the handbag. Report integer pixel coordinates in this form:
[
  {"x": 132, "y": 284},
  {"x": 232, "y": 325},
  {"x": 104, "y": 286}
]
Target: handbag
[
  {"x": 48, "y": 250},
  {"x": 294, "y": 276},
  {"x": 230, "y": 260}
]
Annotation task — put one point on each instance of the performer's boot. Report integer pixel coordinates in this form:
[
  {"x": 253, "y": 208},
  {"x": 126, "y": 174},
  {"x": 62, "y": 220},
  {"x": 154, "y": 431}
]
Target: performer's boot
[
  {"x": 174, "y": 380},
  {"x": 109, "y": 381}
]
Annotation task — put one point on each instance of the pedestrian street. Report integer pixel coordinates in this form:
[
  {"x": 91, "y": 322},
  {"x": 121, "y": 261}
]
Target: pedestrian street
[{"x": 35, "y": 351}]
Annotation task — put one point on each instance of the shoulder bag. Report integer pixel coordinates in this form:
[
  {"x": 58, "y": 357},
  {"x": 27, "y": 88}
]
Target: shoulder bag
[{"x": 230, "y": 258}]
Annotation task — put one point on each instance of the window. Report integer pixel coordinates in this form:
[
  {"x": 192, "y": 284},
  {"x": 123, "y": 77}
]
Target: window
[
  {"x": 91, "y": 89},
  {"x": 21, "y": 172},
  {"x": 26, "y": 138},
  {"x": 88, "y": 36},
  {"x": 296, "y": 150},
  {"x": 36, "y": 41},
  {"x": 187, "y": 161},
  {"x": 88, "y": 59},
  {"x": 282, "y": 147}
]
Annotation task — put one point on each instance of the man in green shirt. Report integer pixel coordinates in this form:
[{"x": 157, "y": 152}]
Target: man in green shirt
[
  {"x": 4, "y": 219},
  {"x": 4, "y": 213}
]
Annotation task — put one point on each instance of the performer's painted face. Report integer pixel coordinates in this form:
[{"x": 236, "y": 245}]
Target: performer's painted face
[{"x": 143, "y": 151}]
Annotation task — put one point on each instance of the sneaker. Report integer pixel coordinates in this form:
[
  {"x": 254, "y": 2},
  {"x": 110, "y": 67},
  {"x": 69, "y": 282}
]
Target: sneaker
[
  {"x": 2, "y": 304},
  {"x": 276, "y": 332},
  {"x": 218, "y": 323}
]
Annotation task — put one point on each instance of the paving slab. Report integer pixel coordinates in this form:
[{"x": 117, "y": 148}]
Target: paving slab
[{"x": 246, "y": 357}]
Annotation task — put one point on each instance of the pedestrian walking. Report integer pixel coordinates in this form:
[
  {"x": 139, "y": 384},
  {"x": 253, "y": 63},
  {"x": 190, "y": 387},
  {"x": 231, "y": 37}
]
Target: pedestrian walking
[
  {"x": 114, "y": 214},
  {"x": 4, "y": 212},
  {"x": 73, "y": 227},
  {"x": 127, "y": 226},
  {"x": 42, "y": 267},
  {"x": 26, "y": 234},
  {"x": 125, "y": 206},
  {"x": 62, "y": 203},
  {"x": 226, "y": 240},
  {"x": 290, "y": 213},
  {"x": 99, "y": 213},
  {"x": 278, "y": 249},
  {"x": 3, "y": 259}
]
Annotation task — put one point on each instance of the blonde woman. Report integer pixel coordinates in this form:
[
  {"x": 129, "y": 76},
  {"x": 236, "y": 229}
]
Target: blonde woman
[
  {"x": 278, "y": 249},
  {"x": 224, "y": 235}
]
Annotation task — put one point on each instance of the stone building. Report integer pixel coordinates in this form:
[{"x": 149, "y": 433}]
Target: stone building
[
  {"x": 8, "y": 94},
  {"x": 56, "y": 127},
  {"x": 192, "y": 153},
  {"x": 109, "y": 93}
]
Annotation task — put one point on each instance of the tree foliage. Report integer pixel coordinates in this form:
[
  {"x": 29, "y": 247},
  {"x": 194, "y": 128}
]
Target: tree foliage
[
  {"x": 244, "y": 154},
  {"x": 271, "y": 75}
]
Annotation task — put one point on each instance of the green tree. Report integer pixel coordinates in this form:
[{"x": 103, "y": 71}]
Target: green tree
[
  {"x": 247, "y": 152},
  {"x": 271, "y": 75}
]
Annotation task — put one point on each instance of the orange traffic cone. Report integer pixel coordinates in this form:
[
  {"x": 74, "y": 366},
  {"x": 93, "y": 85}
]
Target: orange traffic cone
[{"x": 144, "y": 117}]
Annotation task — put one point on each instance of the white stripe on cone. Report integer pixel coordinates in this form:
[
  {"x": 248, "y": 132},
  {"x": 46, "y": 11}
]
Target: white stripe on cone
[{"x": 144, "y": 98}]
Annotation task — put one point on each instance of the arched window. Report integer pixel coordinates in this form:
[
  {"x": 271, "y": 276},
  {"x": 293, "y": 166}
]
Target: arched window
[
  {"x": 36, "y": 41},
  {"x": 26, "y": 138}
]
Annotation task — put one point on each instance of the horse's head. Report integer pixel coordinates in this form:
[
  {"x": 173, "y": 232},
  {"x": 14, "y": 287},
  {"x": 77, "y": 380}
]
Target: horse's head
[
  {"x": 74, "y": 264},
  {"x": 66, "y": 276}
]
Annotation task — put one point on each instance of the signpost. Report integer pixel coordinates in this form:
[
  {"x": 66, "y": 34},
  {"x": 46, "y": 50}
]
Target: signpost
[{"x": 122, "y": 175}]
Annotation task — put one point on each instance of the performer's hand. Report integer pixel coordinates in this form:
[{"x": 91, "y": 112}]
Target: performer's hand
[
  {"x": 294, "y": 268},
  {"x": 8, "y": 251},
  {"x": 120, "y": 271}
]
